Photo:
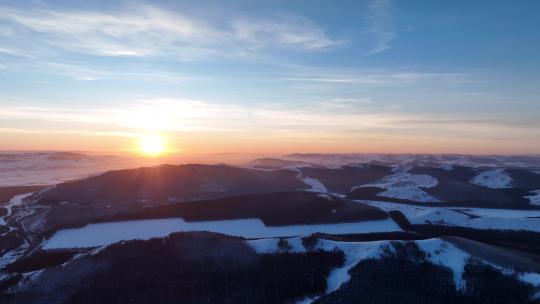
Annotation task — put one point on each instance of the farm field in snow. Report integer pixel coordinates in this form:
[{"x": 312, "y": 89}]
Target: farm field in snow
[{"x": 107, "y": 233}]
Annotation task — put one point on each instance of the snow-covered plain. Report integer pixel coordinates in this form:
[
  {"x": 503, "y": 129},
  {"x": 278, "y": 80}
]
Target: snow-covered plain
[
  {"x": 489, "y": 218},
  {"x": 404, "y": 185},
  {"x": 107, "y": 233},
  {"x": 495, "y": 179}
]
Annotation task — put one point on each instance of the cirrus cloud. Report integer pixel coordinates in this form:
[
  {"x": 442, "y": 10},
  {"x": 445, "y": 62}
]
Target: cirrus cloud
[{"x": 145, "y": 30}]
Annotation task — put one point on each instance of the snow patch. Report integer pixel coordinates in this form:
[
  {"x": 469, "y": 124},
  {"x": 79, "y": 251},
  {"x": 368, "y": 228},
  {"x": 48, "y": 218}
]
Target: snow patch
[
  {"x": 404, "y": 185},
  {"x": 447, "y": 167},
  {"x": 17, "y": 200},
  {"x": 494, "y": 179},
  {"x": 315, "y": 184},
  {"x": 535, "y": 198},
  {"x": 11, "y": 256},
  {"x": 533, "y": 279},
  {"x": 445, "y": 254}
]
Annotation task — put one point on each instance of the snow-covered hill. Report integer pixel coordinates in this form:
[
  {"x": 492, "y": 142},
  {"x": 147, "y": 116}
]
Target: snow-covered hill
[
  {"x": 404, "y": 185},
  {"x": 438, "y": 251},
  {"x": 494, "y": 179}
]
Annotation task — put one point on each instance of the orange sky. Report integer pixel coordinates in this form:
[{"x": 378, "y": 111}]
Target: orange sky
[{"x": 206, "y": 142}]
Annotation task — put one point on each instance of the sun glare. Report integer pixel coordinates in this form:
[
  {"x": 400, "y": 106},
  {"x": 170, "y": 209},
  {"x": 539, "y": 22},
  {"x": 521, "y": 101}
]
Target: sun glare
[{"x": 152, "y": 145}]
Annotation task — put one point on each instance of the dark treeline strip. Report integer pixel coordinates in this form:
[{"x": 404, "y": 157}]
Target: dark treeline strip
[
  {"x": 274, "y": 209},
  {"x": 40, "y": 260}
]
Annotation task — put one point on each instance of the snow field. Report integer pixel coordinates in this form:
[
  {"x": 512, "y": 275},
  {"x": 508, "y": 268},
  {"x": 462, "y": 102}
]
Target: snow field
[
  {"x": 494, "y": 179},
  {"x": 107, "y": 233},
  {"x": 315, "y": 184},
  {"x": 535, "y": 198},
  {"x": 403, "y": 185}
]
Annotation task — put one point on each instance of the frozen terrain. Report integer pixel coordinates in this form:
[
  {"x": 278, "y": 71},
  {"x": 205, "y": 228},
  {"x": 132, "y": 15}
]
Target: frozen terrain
[
  {"x": 15, "y": 201},
  {"x": 494, "y": 179},
  {"x": 535, "y": 198},
  {"x": 315, "y": 185},
  {"x": 445, "y": 161},
  {"x": 500, "y": 213},
  {"x": 438, "y": 251},
  {"x": 107, "y": 233},
  {"x": 354, "y": 253},
  {"x": 404, "y": 185},
  {"x": 477, "y": 218}
]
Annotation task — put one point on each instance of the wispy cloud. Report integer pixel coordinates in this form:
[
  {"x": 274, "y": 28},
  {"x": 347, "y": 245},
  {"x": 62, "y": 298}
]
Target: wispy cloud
[
  {"x": 82, "y": 71},
  {"x": 87, "y": 73},
  {"x": 380, "y": 77},
  {"x": 344, "y": 116},
  {"x": 166, "y": 114},
  {"x": 381, "y": 24},
  {"x": 285, "y": 30},
  {"x": 144, "y": 30}
]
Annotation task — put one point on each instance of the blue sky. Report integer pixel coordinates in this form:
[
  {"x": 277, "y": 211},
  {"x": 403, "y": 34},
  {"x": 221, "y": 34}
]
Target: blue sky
[{"x": 276, "y": 76}]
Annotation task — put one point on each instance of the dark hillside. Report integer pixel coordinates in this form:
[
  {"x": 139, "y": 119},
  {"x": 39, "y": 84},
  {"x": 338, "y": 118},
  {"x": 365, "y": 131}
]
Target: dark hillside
[
  {"x": 171, "y": 183},
  {"x": 274, "y": 209}
]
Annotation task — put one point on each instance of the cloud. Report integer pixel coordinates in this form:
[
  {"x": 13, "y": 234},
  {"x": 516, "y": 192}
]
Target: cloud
[
  {"x": 146, "y": 30},
  {"x": 13, "y": 52},
  {"x": 281, "y": 30},
  {"x": 381, "y": 24},
  {"x": 167, "y": 114},
  {"x": 185, "y": 115},
  {"x": 86, "y": 73},
  {"x": 379, "y": 77},
  {"x": 346, "y": 104}
]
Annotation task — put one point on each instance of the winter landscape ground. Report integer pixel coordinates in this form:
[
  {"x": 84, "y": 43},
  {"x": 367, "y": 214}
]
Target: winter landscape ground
[{"x": 278, "y": 210}]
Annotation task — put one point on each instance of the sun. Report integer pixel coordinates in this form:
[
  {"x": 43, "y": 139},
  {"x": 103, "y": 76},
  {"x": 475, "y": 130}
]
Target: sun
[{"x": 152, "y": 145}]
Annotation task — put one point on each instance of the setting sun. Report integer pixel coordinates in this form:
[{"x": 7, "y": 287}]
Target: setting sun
[{"x": 152, "y": 145}]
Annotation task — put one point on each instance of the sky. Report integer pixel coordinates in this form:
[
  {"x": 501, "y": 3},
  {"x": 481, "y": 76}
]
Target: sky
[{"x": 271, "y": 76}]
